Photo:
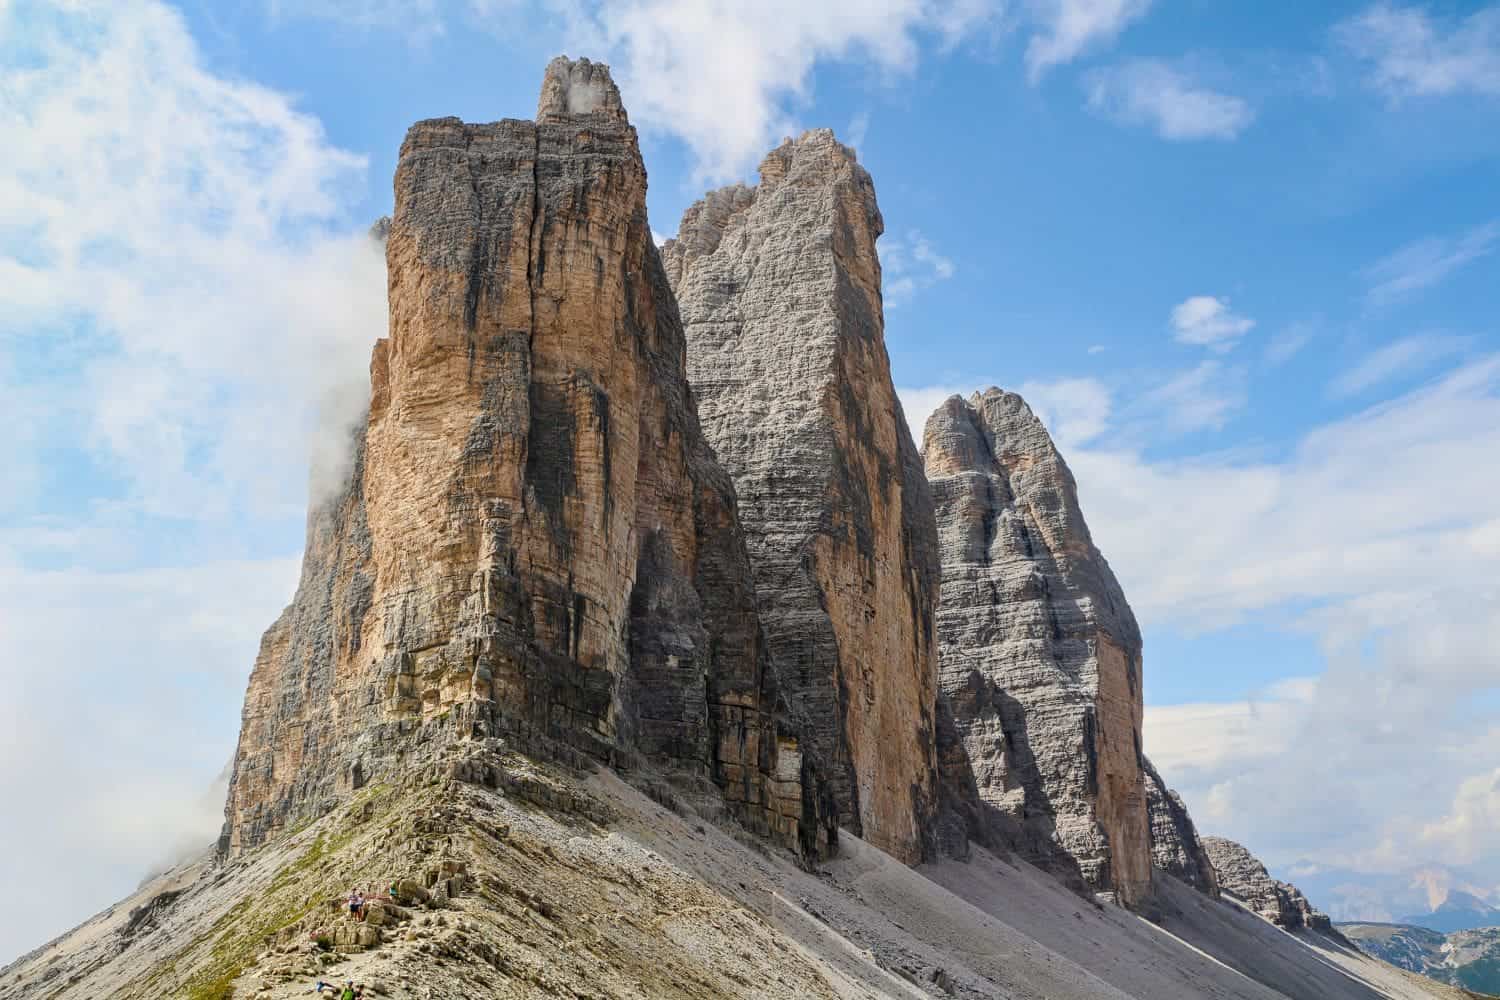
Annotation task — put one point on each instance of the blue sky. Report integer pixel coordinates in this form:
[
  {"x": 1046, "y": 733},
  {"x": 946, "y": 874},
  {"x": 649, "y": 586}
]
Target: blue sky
[{"x": 1243, "y": 259}]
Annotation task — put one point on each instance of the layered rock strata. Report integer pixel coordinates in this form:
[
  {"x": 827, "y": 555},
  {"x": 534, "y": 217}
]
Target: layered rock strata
[
  {"x": 1041, "y": 656},
  {"x": 1175, "y": 846},
  {"x": 535, "y": 541},
  {"x": 779, "y": 287},
  {"x": 1244, "y": 877}
]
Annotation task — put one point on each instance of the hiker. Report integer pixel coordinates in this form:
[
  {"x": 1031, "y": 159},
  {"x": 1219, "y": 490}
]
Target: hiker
[
  {"x": 395, "y": 896},
  {"x": 356, "y": 904}
]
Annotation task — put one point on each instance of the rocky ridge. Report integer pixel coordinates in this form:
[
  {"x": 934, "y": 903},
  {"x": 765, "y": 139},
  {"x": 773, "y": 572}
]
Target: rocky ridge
[
  {"x": 1176, "y": 848},
  {"x": 1244, "y": 877},
  {"x": 779, "y": 291},
  {"x": 535, "y": 540},
  {"x": 1041, "y": 656}
]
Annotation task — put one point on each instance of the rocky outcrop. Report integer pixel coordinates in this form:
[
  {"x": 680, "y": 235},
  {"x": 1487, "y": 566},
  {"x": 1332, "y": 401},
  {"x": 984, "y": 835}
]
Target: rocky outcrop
[
  {"x": 779, "y": 287},
  {"x": 1041, "y": 656},
  {"x": 1175, "y": 846},
  {"x": 1245, "y": 878},
  {"x": 535, "y": 543}
]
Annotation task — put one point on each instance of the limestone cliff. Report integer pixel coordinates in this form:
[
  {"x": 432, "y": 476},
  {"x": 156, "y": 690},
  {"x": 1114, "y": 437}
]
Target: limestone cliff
[
  {"x": 535, "y": 544},
  {"x": 779, "y": 287},
  {"x": 1041, "y": 656},
  {"x": 1244, "y": 877},
  {"x": 1175, "y": 846}
]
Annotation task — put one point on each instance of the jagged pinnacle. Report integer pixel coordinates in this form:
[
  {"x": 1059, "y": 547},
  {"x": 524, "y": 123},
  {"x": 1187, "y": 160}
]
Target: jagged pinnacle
[{"x": 579, "y": 87}]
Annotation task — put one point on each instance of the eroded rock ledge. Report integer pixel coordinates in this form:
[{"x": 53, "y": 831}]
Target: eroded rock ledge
[{"x": 1244, "y": 877}]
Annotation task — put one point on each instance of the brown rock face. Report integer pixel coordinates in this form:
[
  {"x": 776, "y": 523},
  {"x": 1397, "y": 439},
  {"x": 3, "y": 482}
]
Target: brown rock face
[
  {"x": 1175, "y": 847},
  {"x": 779, "y": 287},
  {"x": 1041, "y": 656},
  {"x": 1242, "y": 875},
  {"x": 536, "y": 543}
]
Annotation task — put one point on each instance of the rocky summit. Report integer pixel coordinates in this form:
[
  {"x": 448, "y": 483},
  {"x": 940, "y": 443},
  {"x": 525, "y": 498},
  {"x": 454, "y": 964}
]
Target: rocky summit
[
  {"x": 1242, "y": 875},
  {"x": 779, "y": 289},
  {"x": 639, "y": 653},
  {"x": 535, "y": 542},
  {"x": 1041, "y": 656}
]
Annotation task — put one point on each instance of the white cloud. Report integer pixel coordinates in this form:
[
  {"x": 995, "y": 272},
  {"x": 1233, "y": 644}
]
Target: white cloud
[
  {"x": 1210, "y": 738},
  {"x": 177, "y": 227},
  {"x": 121, "y": 709},
  {"x": 1068, "y": 28},
  {"x": 1333, "y": 508},
  {"x": 1288, "y": 342},
  {"x": 1151, "y": 93},
  {"x": 181, "y": 297},
  {"x": 1427, "y": 262},
  {"x": 1075, "y": 410},
  {"x": 1466, "y": 833},
  {"x": 909, "y": 265},
  {"x": 721, "y": 74},
  {"x": 1417, "y": 54},
  {"x": 859, "y": 128},
  {"x": 1207, "y": 321},
  {"x": 1377, "y": 539},
  {"x": 1407, "y": 356},
  {"x": 1201, "y": 398}
]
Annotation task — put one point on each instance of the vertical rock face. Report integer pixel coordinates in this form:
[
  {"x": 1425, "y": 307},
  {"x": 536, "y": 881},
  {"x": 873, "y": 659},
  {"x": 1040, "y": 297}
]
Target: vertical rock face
[
  {"x": 1041, "y": 656},
  {"x": 535, "y": 542},
  {"x": 779, "y": 287},
  {"x": 1175, "y": 846},
  {"x": 1243, "y": 876}
]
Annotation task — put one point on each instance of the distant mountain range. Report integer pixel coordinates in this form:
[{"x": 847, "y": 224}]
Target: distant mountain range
[
  {"x": 1469, "y": 958},
  {"x": 1438, "y": 897}
]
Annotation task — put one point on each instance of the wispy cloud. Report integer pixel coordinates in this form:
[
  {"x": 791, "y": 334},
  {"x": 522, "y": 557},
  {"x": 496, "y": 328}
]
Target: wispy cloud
[
  {"x": 909, "y": 265},
  {"x": 187, "y": 232},
  {"x": 181, "y": 294},
  {"x": 725, "y": 76},
  {"x": 1466, "y": 832},
  {"x": 1426, "y": 262},
  {"x": 859, "y": 127},
  {"x": 1288, "y": 342},
  {"x": 1068, "y": 28},
  {"x": 1201, "y": 398},
  {"x": 1418, "y": 54},
  {"x": 1377, "y": 539},
  {"x": 1153, "y": 94},
  {"x": 1408, "y": 356},
  {"x": 1208, "y": 321}
]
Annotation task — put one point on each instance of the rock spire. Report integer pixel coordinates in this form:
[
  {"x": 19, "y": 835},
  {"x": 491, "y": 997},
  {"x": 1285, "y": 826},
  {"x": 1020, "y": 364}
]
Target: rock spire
[
  {"x": 779, "y": 287},
  {"x": 535, "y": 546},
  {"x": 1041, "y": 656}
]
